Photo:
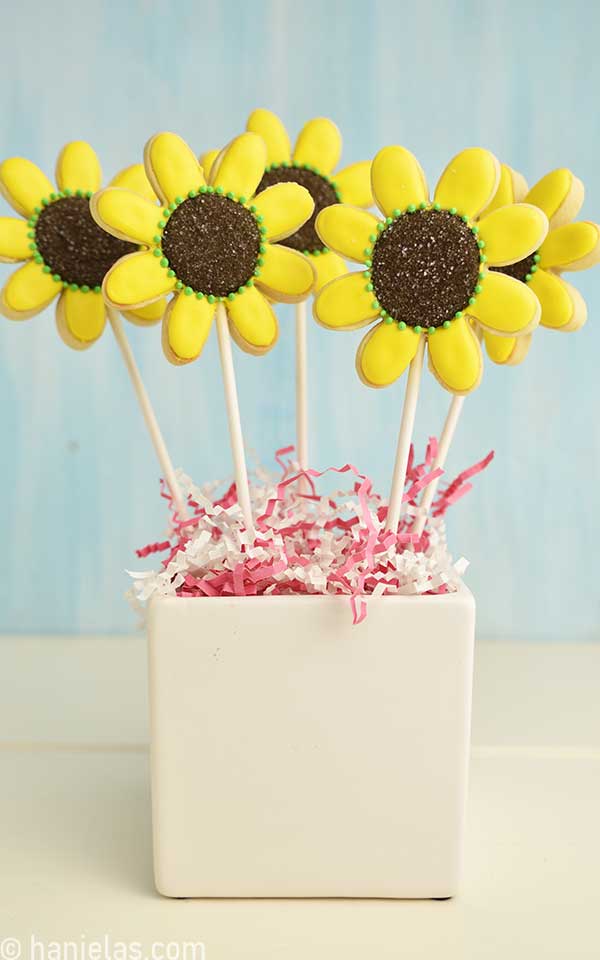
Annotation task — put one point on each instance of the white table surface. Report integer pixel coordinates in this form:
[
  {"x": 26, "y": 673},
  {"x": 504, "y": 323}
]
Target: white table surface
[{"x": 75, "y": 844}]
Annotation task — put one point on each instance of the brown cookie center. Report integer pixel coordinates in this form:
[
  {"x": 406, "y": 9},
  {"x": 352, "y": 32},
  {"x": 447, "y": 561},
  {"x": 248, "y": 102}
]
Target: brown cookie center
[
  {"x": 212, "y": 244},
  {"x": 72, "y": 244},
  {"x": 425, "y": 267},
  {"x": 324, "y": 194},
  {"x": 522, "y": 270}
]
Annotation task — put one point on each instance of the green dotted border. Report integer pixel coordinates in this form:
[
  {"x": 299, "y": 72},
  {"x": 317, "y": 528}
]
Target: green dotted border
[
  {"x": 36, "y": 255},
  {"x": 533, "y": 269},
  {"x": 382, "y": 227},
  {"x": 164, "y": 262},
  {"x": 319, "y": 251}
]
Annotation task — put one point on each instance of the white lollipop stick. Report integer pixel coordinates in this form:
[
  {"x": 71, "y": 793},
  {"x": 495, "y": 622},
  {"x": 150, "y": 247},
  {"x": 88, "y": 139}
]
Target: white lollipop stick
[
  {"x": 233, "y": 416},
  {"x": 446, "y": 437},
  {"x": 301, "y": 387},
  {"x": 407, "y": 424},
  {"x": 147, "y": 412}
]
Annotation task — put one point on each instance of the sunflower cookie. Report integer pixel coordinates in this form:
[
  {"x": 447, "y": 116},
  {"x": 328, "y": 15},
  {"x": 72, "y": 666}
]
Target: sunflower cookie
[
  {"x": 66, "y": 252},
  {"x": 208, "y": 244},
  {"x": 311, "y": 164},
  {"x": 568, "y": 246},
  {"x": 426, "y": 268}
]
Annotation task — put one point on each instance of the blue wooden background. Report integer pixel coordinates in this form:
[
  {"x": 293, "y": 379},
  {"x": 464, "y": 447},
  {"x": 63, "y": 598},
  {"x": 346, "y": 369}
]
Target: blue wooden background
[{"x": 79, "y": 481}]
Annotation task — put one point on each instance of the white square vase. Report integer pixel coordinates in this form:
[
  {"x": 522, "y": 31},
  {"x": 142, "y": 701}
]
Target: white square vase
[{"x": 297, "y": 755}]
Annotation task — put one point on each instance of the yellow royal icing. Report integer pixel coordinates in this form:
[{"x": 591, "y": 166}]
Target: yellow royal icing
[
  {"x": 554, "y": 195},
  {"x": 385, "y": 353},
  {"x": 23, "y": 184},
  {"x": 14, "y": 242},
  {"x": 268, "y": 126},
  {"x": 455, "y": 357},
  {"x": 172, "y": 167},
  {"x": 134, "y": 178},
  {"x": 512, "y": 233},
  {"x": 286, "y": 274},
  {"x": 344, "y": 304},
  {"x": 397, "y": 180},
  {"x": 562, "y": 305},
  {"x": 574, "y": 246},
  {"x": 284, "y": 207},
  {"x": 241, "y": 165},
  {"x": 469, "y": 182},
  {"x": 84, "y": 315},
  {"x": 499, "y": 349},
  {"x": 319, "y": 144},
  {"x": 354, "y": 184},
  {"x": 135, "y": 280},
  {"x": 328, "y": 266},
  {"x": 28, "y": 290},
  {"x": 254, "y": 324},
  {"x": 146, "y": 316},
  {"x": 78, "y": 167},
  {"x": 349, "y": 230},
  {"x": 188, "y": 324},
  {"x": 207, "y": 161},
  {"x": 505, "y": 305},
  {"x": 126, "y": 214}
]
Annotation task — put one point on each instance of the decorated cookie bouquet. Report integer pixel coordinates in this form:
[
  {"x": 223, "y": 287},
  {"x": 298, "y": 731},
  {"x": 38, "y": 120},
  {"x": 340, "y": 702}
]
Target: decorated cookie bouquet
[
  {"x": 292, "y": 753},
  {"x": 434, "y": 277},
  {"x": 300, "y": 541},
  {"x": 472, "y": 268}
]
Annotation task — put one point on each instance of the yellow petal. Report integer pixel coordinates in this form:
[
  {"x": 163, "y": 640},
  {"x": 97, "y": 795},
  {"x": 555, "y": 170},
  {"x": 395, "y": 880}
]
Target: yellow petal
[
  {"x": 252, "y": 321},
  {"x": 23, "y": 184},
  {"x": 207, "y": 160},
  {"x": 125, "y": 214},
  {"x": 563, "y": 307},
  {"x": 80, "y": 318},
  {"x": 135, "y": 178},
  {"x": 172, "y": 167},
  {"x": 148, "y": 315},
  {"x": 27, "y": 291},
  {"x": 512, "y": 233},
  {"x": 349, "y": 230},
  {"x": 268, "y": 126},
  {"x": 327, "y": 266},
  {"x": 507, "y": 351},
  {"x": 78, "y": 167},
  {"x": 385, "y": 353},
  {"x": 286, "y": 275},
  {"x": 14, "y": 242},
  {"x": 319, "y": 143},
  {"x": 186, "y": 325},
  {"x": 498, "y": 348},
  {"x": 240, "y": 166},
  {"x": 469, "y": 182},
  {"x": 455, "y": 357},
  {"x": 285, "y": 207},
  {"x": 354, "y": 184},
  {"x": 512, "y": 188},
  {"x": 345, "y": 304},
  {"x": 397, "y": 180},
  {"x": 136, "y": 280},
  {"x": 576, "y": 246},
  {"x": 505, "y": 305},
  {"x": 559, "y": 194}
]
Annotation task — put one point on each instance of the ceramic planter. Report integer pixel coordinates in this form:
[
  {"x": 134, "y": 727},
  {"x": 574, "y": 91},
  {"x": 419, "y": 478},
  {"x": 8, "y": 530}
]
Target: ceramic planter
[{"x": 296, "y": 755}]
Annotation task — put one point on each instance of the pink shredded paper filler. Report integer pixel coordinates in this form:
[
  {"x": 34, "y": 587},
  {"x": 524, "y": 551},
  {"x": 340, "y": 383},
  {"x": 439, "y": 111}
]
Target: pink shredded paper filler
[{"x": 307, "y": 542}]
